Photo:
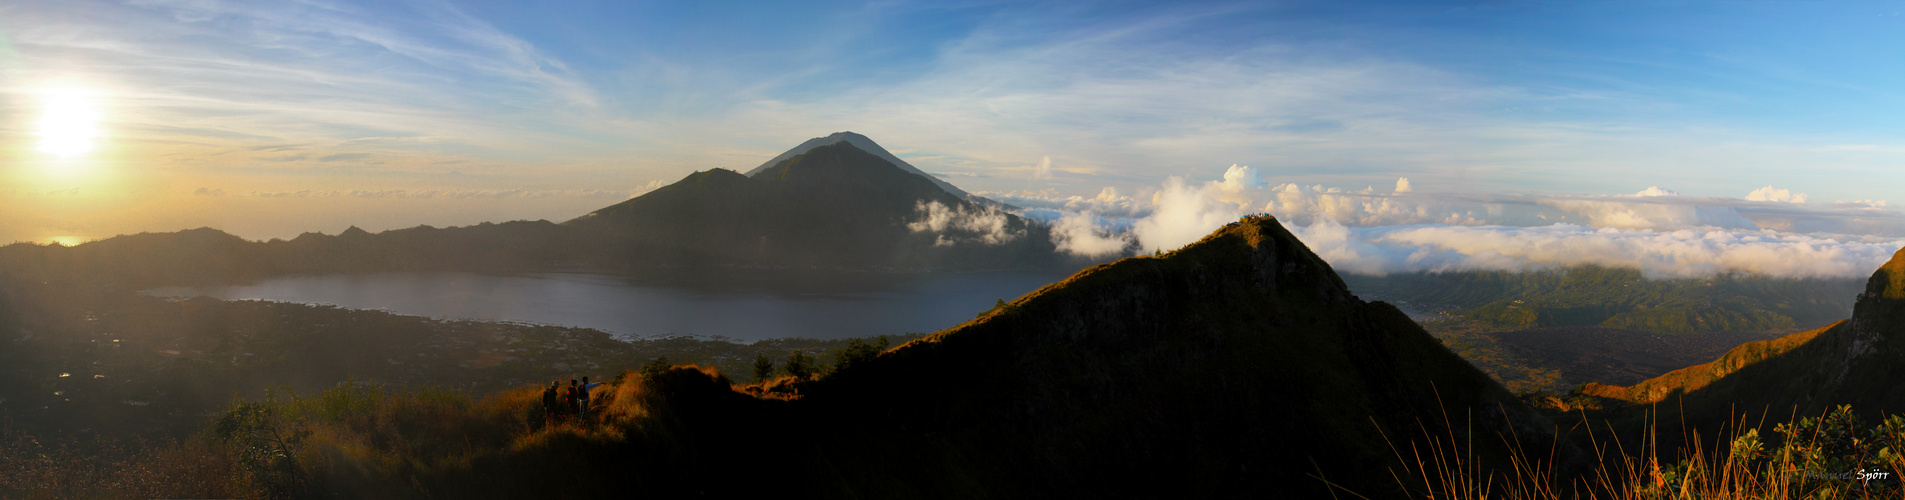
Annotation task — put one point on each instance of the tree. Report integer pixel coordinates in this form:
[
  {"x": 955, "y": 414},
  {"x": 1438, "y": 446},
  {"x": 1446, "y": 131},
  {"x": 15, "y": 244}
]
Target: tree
[
  {"x": 763, "y": 367},
  {"x": 658, "y": 365},
  {"x": 800, "y": 365},
  {"x": 857, "y": 352}
]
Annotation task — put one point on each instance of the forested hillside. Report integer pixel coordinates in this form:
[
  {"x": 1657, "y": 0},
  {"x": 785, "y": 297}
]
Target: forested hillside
[{"x": 1621, "y": 298}]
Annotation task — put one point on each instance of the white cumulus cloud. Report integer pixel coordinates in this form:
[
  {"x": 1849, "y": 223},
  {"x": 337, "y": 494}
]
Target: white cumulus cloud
[
  {"x": 1655, "y": 191},
  {"x": 1240, "y": 178},
  {"x": 1182, "y": 214},
  {"x": 1769, "y": 193},
  {"x": 1083, "y": 235},
  {"x": 956, "y": 225}
]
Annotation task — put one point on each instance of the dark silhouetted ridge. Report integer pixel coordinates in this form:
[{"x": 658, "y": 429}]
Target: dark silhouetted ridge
[{"x": 1241, "y": 360}]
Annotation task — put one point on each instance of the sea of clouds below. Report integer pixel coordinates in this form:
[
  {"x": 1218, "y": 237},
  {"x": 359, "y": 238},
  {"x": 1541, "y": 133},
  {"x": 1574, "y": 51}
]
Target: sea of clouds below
[{"x": 1769, "y": 232}]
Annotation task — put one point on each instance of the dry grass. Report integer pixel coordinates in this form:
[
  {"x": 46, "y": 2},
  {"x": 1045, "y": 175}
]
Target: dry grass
[
  {"x": 1831, "y": 456},
  {"x": 30, "y": 468}
]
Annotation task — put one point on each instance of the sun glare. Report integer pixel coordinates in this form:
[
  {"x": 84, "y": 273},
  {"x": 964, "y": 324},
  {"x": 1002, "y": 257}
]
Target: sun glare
[{"x": 69, "y": 125}]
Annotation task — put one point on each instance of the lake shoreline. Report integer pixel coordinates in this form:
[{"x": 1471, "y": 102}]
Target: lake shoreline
[{"x": 743, "y": 306}]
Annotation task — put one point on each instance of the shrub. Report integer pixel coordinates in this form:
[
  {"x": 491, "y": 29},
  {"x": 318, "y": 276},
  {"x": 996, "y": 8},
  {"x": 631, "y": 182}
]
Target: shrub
[{"x": 348, "y": 399}]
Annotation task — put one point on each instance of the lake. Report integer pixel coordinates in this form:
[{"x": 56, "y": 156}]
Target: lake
[{"x": 743, "y": 305}]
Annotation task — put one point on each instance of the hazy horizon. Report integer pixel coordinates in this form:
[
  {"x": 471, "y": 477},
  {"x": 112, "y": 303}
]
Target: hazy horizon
[{"x": 1683, "y": 140}]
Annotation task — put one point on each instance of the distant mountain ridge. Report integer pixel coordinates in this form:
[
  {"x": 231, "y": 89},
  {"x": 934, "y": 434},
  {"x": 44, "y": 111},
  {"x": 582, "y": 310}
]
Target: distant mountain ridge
[
  {"x": 1622, "y": 299},
  {"x": 833, "y": 205},
  {"x": 825, "y": 206},
  {"x": 1859, "y": 361}
]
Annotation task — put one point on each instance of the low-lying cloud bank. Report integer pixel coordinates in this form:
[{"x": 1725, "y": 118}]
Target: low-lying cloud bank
[
  {"x": 1770, "y": 231},
  {"x": 1681, "y": 253}
]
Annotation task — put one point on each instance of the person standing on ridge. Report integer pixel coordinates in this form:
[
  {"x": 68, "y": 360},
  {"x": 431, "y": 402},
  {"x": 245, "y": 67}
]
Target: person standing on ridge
[
  {"x": 583, "y": 398},
  {"x": 569, "y": 397},
  {"x": 550, "y": 407}
]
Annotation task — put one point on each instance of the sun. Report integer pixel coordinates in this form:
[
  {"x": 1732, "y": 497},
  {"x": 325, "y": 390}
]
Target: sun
[{"x": 69, "y": 125}]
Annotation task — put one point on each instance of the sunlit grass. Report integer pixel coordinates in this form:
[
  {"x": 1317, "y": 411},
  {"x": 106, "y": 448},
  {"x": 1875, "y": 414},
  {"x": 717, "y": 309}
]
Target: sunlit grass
[{"x": 1834, "y": 455}]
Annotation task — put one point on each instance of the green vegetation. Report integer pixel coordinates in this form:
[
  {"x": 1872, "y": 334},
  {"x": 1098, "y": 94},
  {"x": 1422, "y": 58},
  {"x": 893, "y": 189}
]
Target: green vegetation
[
  {"x": 1477, "y": 344},
  {"x": 1889, "y": 281},
  {"x": 1623, "y": 299}
]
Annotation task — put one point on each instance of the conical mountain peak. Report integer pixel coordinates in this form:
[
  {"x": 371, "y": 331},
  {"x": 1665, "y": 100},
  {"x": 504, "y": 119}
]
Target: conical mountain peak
[{"x": 864, "y": 144}]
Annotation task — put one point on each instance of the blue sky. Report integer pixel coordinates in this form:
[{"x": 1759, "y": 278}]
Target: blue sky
[{"x": 258, "y": 117}]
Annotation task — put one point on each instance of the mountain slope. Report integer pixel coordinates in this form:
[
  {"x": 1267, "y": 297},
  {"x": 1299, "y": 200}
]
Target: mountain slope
[
  {"x": 1859, "y": 361},
  {"x": 1701, "y": 375},
  {"x": 1239, "y": 366},
  {"x": 1241, "y": 359},
  {"x": 832, "y": 205}
]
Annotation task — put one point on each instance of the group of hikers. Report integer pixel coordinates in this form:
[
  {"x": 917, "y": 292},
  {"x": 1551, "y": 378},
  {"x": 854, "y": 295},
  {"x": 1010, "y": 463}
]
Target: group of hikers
[{"x": 558, "y": 402}]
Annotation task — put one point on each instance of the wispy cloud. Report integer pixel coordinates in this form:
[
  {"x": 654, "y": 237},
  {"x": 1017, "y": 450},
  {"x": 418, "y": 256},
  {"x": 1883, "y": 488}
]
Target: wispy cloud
[
  {"x": 458, "y": 194},
  {"x": 1327, "y": 107},
  {"x": 344, "y": 157},
  {"x": 1133, "y": 101},
  {"x": 270, "y": 77}
]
